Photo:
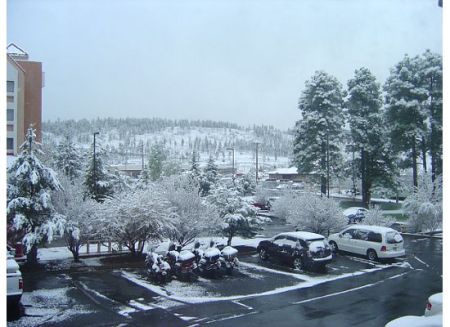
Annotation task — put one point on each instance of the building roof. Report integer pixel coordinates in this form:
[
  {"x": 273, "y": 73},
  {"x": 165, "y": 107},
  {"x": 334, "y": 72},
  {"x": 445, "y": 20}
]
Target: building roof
[{"x": 285, "y": 171}]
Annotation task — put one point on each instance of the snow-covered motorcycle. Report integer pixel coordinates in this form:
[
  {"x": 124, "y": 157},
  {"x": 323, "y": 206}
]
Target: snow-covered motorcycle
[
  {"x": 229, "y": 259},
  {"x": 210, "y": 263},
  {"x": 158, "y": 269}
]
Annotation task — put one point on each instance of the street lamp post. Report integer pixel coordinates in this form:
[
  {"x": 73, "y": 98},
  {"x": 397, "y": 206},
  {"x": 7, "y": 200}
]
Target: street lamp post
[
  {"x": 95, "y": 168},
  {"x": 257, "y": 144}
]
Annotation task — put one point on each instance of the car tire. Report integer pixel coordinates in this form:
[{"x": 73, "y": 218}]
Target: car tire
[
  {"x": 263, "y": 254},
  {"x": 372, "y": 255},
  {"x": 334, "y": 247},
  {"x": 298, "y": 263}
]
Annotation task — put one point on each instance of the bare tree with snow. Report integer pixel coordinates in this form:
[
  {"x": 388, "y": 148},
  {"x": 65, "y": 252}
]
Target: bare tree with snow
[{"x": 376, "y": 217}]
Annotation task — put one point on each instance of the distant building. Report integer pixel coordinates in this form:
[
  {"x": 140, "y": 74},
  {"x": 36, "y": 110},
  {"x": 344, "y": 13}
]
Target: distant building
[
  {"x": 23, "y": 97},
  {"x": 291, "y": 174},
  {"x": 129, "y": 170}
]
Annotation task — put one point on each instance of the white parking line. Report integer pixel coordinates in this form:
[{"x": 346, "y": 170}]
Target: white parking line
[
  {"x": 349, "y": 290},
  {"x": 421, "y": 261},
  {"x": 242, "y": 304}
]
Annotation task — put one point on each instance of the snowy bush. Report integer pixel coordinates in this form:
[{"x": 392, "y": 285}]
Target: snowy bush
[
  {"x": 424, "y": 205},
  {"x": 29, "y": 203},
  {"x": 237, "y": 216},
  {"x": 375, "y": 217},
  {"x": 190, "y": 213},
  {"x": 309, "y": 212},
  {"x": 79, "y": 213},
  {"x": 282, "y": 205},
  {"x": 133, "y": 218}
]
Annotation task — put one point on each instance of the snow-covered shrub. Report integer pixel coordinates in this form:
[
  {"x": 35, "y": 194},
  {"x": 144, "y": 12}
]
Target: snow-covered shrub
[
  {"x": 424, "y": 205},
  {"x": 262, "y": 195},
  {"x": 309, "y": 212},
  {"x": 29, "y": 203},
  {"x": 375, "y": 217},
  {"x": 79, "y": 213},
  {"x": 237, "y": 216},
  {"x": 280, "y": 208},
  {"x": 190, "y": 213},
  {"x": 133, "y": 218}
]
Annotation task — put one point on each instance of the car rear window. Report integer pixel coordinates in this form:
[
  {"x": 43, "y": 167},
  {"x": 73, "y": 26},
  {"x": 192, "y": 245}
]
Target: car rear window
[
  {"x": 374, "y": 237},
  {"x": 393, "y": 238}
]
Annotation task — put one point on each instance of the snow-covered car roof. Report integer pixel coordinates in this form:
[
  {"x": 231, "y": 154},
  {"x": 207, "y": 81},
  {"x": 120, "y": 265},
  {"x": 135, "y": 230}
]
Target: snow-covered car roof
[
  {"x": 416, "y": 321},
  {"x": 373, "y": 228},
  {"x": 303, "y": 235},
  {"x": 353, "y": 210}
]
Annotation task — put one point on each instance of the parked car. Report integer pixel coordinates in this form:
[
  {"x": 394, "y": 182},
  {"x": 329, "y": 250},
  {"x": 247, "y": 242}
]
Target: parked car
[
  {"x": 14, "y": 280},
  {"x": 434, "y": 305},
  {"x": 375, "y": 242},
  {"x": 432, "y": 317},
  {"x": 402, "y": 227},
  {"x": 262, "y": 205},
  {"x": 355, "y": 214},
  {"x": 300, "y": 249}
]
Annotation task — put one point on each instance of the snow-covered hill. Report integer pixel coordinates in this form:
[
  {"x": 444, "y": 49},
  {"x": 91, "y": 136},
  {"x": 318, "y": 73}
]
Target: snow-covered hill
[{"x": 126, "y": 139}]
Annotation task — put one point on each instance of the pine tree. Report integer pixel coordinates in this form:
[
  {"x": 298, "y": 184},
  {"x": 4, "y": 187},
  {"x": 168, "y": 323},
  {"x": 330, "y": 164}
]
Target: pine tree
[
  {"x": 431, "y": 79},
  {"x": 29, "y": 203},
  {"x": 156, "y": 161},
  {"x": 404, "y": 113},
  {"x": 368, "y": 133},
  {"x": 97, "y": 181},
  {"x": 68, "y": 159},
  {"x": 318, "y": 133},
  {"x": 209, "y": 177}
]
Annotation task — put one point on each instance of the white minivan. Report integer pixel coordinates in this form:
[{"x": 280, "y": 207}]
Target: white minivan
[{"x": 375, "y": 242}]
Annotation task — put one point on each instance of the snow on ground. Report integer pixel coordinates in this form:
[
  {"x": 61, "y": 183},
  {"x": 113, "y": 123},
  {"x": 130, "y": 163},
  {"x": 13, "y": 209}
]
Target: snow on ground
[
  {"x": 190, "y": 293},
  {"x": 47, "y": 306}
]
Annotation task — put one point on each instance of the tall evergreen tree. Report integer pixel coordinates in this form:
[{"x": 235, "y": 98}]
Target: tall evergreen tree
[
  {"x": 156, "y": 161},
  {"x": 431, "y": 79},
  {"x": 68, "y": 159},
  {"x": 368, "y": 132},
  {"x": 318, "y": 133},
  {"x": 404, "y": 112},
  {"x": 29, "y": 204},
  {"x": 97, "y": 181}
]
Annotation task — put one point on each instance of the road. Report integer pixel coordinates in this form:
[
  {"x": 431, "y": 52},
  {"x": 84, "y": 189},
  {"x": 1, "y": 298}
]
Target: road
[{"x": 352, "y": 292}]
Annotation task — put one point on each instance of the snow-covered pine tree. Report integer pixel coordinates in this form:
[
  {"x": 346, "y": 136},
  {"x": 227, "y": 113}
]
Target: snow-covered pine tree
[
  {"x": 68, "y": 158},
  {"x": 209, "y": 177},
  {"x": 431, "y": 79},
  {"x": 369, "y": 135},
  {"x": 404, "y": 112},
  {"x": 156, "y": 160},
  {"x": 97, "y": 181},
  {"x": 318, "y": 132},
  {"x": 29, "y": 202}
]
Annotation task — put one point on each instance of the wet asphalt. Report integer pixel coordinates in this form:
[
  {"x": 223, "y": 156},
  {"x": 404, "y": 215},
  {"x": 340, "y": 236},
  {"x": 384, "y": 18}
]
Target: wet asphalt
[{"x": 351, "y": 292}]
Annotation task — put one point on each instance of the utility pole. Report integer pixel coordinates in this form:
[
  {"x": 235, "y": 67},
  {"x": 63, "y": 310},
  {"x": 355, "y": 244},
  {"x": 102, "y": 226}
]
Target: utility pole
[
  {"x": 257, "y": 144},
  {"x": 95, "y": 170},
  {"x": 232, "y": 149},
  {"x": 328, "y": 164},
  {"x": 142, "y": 156}
]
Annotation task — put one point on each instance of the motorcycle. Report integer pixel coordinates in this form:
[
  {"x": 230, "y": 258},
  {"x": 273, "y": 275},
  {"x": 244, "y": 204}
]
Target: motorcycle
[
  {"x": 185, "y": 265},
  {"x": 229, "y": 259},
  {"x": 210, "y": 263},
  {"x": 157, "y": 268}
]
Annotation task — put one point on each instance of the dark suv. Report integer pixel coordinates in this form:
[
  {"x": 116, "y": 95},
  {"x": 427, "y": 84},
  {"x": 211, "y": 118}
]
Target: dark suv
[{"x": 299, "y": 249}]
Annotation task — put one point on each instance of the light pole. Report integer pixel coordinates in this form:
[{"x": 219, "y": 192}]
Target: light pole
[
  {"x": 95, "y": 168},
  {"x": 232, "y": 149}
]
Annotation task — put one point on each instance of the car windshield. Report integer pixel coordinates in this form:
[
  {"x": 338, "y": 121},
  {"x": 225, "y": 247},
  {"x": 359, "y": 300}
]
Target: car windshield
[{"x": 393, "y": 238}]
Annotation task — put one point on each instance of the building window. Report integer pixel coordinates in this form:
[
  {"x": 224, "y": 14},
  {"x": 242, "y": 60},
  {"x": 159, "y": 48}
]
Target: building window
[
  {"x": 10, "y": 98},
  {"x": 10, "y": 115},
  {"x": 9, "y": 143},
  {"x": 10, "y": 86},
  {"x": 10, "y": 128}
]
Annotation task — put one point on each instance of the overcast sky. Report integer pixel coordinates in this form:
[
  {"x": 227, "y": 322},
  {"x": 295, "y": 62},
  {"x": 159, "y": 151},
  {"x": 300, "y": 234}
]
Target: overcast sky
[{"x": 238, "y": 61}]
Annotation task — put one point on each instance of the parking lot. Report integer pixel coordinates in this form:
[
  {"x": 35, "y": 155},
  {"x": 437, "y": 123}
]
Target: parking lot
[{"x": 267, "y": 292}]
